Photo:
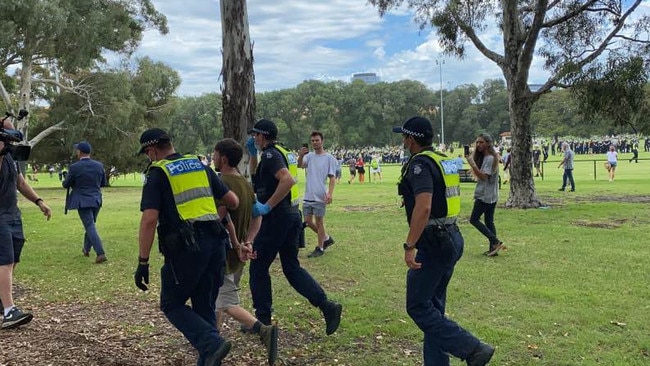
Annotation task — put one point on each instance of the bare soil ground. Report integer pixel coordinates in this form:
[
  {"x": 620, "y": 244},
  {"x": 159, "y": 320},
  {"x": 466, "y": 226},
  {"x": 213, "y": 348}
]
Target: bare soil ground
[{"x": 91, "y": 334}]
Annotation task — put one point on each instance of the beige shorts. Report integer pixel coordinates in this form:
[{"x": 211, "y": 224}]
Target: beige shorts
[{"x": 229, "y": 291}]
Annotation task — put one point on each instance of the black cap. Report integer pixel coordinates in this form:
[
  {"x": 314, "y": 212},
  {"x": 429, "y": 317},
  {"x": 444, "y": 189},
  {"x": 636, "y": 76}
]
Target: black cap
[
  {"x": 265, "y": 127},
  {"x": 152, "y": 137},
  {"x": 83, "y": 146},
  {"x": 415, "y": 126}
]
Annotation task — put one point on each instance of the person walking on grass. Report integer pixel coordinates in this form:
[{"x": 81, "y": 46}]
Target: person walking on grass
[
  {"x": 567, "y": 162},
  {"x": 178, "y": 201},
  {"x": 281, "y": 226},
  {"x": 484, "y": 164},
  {"x": 612, "y": 161},
  {"x": 242, "y": 229},
  {"x": 12, "y": 238},
  {"x": 320, "y": 166},
  {"x": 430, "y": 187},
  {"x": 352, "y": 167},
  {"x": 86, "y": 178}
]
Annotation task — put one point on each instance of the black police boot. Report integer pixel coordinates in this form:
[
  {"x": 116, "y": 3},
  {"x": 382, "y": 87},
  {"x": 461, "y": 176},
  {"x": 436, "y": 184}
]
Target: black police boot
[
  {"x": 332, "y": 314},
  {"x": 481, "y": 355}
]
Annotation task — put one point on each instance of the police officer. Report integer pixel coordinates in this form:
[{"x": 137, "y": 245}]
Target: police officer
[
  {"x": 430, "y": 188},
  {"x": 277, "y": 195},
  {"x": 179, "y": 196}
]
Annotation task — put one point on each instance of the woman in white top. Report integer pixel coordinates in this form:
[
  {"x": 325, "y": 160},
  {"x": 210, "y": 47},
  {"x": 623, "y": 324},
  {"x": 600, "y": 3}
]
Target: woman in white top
[{"x": 612, "y": 160}]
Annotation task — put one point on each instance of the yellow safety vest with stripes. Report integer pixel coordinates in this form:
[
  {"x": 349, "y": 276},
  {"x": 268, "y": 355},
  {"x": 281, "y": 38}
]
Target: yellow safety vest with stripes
[
  {"x": 292, "y": 165},
  {"x": 191, "y": 188},
  {"x": 449, "y": 171}
]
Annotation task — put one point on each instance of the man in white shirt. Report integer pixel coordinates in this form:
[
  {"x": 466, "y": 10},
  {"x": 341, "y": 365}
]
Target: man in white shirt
[{"x": 320, "y": 166}]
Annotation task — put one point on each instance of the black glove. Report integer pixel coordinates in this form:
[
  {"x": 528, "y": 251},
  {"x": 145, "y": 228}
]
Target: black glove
[{"x": 142, "y": 276}]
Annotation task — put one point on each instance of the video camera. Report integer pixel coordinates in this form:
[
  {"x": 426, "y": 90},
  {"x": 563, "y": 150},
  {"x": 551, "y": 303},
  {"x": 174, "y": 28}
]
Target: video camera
[{"x": 11, "y": 137}]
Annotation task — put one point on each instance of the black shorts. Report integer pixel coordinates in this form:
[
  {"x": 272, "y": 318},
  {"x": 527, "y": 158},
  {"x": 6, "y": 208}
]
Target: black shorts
[
  {"x": 361, "y": 170},
  {"x": 12, "y": 240}
]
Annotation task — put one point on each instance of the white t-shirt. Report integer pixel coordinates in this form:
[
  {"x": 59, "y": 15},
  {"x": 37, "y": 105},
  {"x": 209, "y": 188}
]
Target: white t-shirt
[
  {"x": 318, "y": 167},
  {"x": 612, "y": 156}
]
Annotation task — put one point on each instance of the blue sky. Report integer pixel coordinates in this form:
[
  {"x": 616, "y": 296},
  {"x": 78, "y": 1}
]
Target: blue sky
[{"x": 297, "y": 40}]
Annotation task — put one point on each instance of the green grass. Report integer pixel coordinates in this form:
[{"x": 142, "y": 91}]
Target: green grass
[{"x": 571, "y": 274}]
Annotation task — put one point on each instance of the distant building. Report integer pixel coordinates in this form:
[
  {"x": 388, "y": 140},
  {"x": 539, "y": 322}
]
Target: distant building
[{"x": 366, "y": 77}]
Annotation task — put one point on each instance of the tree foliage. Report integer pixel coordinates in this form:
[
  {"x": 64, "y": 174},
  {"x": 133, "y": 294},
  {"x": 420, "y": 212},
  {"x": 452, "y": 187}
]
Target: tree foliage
[
  {"x": 570, "y": 36},
  {"x": 44, "y": 38}
]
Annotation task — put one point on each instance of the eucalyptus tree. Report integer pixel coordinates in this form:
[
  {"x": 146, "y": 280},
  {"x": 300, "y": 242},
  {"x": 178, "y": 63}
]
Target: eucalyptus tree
[
  {"x": 568, "y": 36},
  {"x": 238, "y": 87},
  {"x": 48, "y": 41}
]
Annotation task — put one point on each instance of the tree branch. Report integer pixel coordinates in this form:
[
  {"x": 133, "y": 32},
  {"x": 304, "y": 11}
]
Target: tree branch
[
  {"x": 469, "y": 31},
  {"x": 570, "y": 15},
  {"x": 46, "y": 132},
  {"x": 5, "y": 98},
  {"x": 552, "y": 81}
]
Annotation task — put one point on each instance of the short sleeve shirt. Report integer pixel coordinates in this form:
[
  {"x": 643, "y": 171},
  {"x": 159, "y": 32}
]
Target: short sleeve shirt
[
  {"x": 488, "y": 190},
  {"x": 568, "y": 159},
  {"x": 318, "y": 167},
  {"x": 271, "y": 161},
  {"x": 8, "y": 182}
]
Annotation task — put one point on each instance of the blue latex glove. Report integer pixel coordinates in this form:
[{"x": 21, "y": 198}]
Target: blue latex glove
[
  {"x": 250, "y": 146},
  {"x": 260, "y": 209}
]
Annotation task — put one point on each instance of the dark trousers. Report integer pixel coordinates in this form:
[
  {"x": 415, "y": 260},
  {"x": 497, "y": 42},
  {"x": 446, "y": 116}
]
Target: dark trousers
[
  {"x": 196, "y": 276},
  {"x": 488, "y": 229},
  {"x": 88, "y": 216},
  {"x": 279, "y": 235},
  {"x": 426, "y": 297},
  {"x": 568, "y": 175}
]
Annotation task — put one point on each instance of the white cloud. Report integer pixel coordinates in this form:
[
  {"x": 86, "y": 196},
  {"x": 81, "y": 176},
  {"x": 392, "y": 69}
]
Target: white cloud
[{"x": 295, "y": 40}]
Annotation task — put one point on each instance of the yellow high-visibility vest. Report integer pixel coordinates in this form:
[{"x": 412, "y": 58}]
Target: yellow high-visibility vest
[{"x": 190, "y": 187}]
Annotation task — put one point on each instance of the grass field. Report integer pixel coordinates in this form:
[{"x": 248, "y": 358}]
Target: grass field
[{"x": 573, "y": 288}]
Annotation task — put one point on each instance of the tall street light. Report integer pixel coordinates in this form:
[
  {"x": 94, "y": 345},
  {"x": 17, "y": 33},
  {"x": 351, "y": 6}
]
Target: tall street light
[{"x": 442, "y": 109}]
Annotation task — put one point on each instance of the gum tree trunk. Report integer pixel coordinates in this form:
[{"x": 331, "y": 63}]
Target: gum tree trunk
[
  {"x": 522, "y": 185},
  {"x": 238, "y": 78}
]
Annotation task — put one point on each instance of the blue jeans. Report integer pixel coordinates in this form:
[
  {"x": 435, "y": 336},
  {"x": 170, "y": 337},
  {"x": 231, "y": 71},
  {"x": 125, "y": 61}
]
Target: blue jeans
[
  {"x": 568, "y": 174},
  {"x": 426, "y": 297},
  {"x": 279, "y": 234},
  {"x": 195, "y": 275},
  {"x": 488, "y": 229},
  {"x": 88, "y": 216}
]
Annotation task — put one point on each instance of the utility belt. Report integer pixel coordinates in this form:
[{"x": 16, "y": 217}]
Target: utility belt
[
  {"x": 443, "y": 224},
  {"x": 184, "y": 236}
]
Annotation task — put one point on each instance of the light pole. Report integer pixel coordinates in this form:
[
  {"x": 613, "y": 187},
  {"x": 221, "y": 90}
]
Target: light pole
[{"x": 442, "y": 108}]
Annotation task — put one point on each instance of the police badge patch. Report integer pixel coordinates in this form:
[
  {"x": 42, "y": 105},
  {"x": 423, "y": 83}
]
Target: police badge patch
[
  {"x": 269, "y": 155},
  {"x": 417, "y": 169}
]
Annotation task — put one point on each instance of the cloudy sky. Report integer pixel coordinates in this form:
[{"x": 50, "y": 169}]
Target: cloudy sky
[{"x": 297, "y": 40}]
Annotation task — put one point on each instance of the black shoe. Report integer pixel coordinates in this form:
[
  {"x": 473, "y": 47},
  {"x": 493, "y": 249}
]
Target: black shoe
[
  {"x": 215, "y": 358},
  {"x": 481, "y": 355},
  {"x": 329, "y": 242},
  {"x": 573, "y": 190},
  {"x": 332, "y": 314},
  {"x": 16, "y": 318},
  {"x": 269, "y": 338},
  {"x": 316, "y": 253},
  {"x": 561, "y": 189}
]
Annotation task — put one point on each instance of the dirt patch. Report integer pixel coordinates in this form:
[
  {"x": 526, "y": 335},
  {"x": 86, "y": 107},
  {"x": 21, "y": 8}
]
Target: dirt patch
[
  {"x": 572, "y": 197},
  {"x": 611, "y": 224},
  {"x": 107, "y": 334}
]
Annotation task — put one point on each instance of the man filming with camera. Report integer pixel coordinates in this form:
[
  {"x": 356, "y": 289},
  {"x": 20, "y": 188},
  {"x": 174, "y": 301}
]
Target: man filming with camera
[{"x": 12, "y": 238}]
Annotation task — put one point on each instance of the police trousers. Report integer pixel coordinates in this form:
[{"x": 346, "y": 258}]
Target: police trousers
[
  {"x": 279, "y": 235},
  {"x": 439, "y": 248},
  {"x": 197, "y": 276}
]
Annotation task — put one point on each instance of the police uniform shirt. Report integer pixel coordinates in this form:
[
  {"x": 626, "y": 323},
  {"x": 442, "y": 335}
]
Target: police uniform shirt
[
  {"x": 424, "y": 177},
  {"x": 8, "y": 197},
  {"x": 157, "y": 193},
  {"x": 271, "y": 161}
]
